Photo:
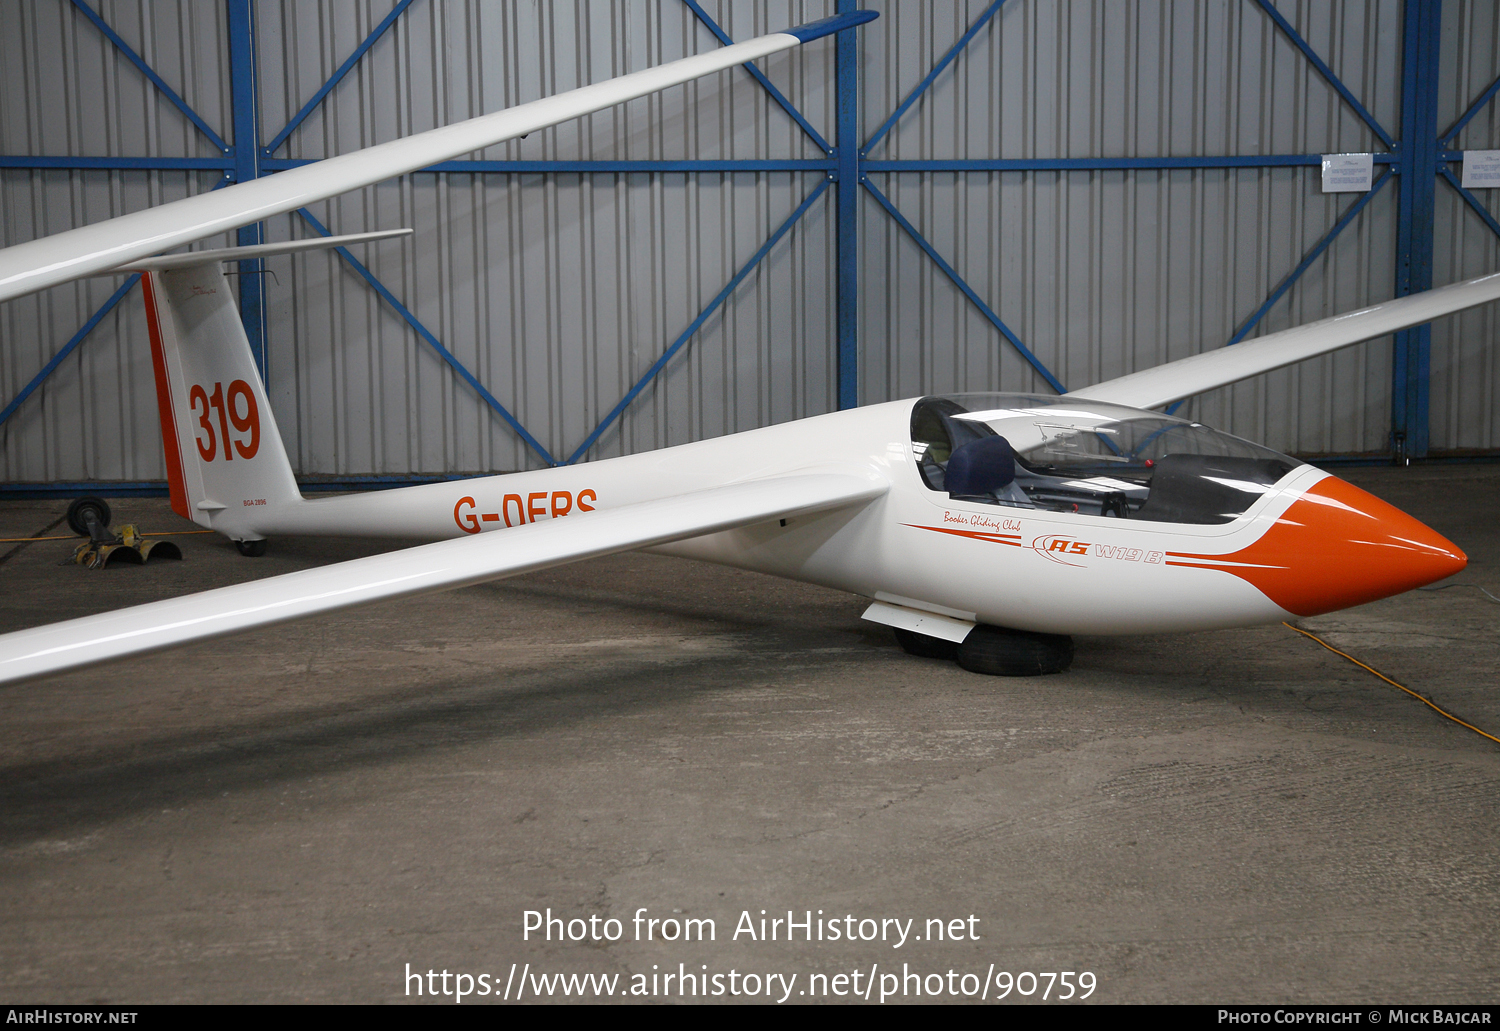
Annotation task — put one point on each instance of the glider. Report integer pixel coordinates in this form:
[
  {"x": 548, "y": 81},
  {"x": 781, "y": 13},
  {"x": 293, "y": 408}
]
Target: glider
[{"x": 984, "y": 527}]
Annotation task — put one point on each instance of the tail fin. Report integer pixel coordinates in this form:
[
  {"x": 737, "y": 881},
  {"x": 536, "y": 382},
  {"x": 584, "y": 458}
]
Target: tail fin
[
  {"x": 224, "y": 453},
  {"x": 226, "y": 465}
]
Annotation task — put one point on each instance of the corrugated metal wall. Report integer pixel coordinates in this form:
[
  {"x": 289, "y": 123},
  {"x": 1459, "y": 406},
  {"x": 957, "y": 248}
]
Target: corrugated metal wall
[
  {"x": 1465, "y": 362},
  {"x": 65, "y": 89},
  {"x": 559, "y": 290},
  {"x": 1105, "y": 272}
]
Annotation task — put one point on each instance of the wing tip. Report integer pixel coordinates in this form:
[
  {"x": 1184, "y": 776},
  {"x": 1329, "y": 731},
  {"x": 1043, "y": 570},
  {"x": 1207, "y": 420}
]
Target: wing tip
[{"x": 828, "y": 26}]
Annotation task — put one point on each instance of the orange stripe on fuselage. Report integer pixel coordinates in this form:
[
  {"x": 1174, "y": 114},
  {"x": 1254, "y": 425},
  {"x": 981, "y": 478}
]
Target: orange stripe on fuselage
[
  {"x": 978, "y": 535},
  {"x": 164, "y": 401},
  {"x": 1337, "y": 546}
]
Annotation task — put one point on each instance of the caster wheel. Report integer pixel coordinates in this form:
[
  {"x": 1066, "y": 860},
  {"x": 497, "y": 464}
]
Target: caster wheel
[
  {"x": 77, "y": 521},
  {"x": 925, "y": 646},
  {"x": 251, "y": 549},
  {"x": 1014, "y": 653}
]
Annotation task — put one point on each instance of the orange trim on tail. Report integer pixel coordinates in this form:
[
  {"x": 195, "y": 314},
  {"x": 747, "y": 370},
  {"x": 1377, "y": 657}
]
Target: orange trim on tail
[{"x": 164, "y": 401}]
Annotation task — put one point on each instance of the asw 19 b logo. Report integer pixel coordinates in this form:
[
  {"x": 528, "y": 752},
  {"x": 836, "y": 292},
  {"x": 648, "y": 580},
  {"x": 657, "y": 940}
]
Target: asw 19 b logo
[
  {"x": 1070, "y": 551},
  {"x": 240, "y": 398}
]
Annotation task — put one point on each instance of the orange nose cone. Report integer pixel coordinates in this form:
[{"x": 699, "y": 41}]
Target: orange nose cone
[
  {"x": 1348, "y": 547},
  {"x": 1338, "y": 546}
]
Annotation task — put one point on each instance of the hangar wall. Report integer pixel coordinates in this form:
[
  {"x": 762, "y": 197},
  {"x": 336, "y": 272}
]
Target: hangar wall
[{"x": 558, "y": 290}]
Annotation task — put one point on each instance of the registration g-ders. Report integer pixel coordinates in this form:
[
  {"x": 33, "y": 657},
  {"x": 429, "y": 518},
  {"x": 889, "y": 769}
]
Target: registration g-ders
[{"x": 984, "y": 526}]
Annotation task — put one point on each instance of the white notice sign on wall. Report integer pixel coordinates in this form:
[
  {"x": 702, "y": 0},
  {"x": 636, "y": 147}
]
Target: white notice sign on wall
[
  {"x": 1481, "y": 169},
  {"x": 1347, "y": 173}
]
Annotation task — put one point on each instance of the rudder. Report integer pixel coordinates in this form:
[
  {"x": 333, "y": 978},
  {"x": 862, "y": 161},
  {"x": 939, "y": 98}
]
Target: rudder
[{"x": 224, "y": 454}]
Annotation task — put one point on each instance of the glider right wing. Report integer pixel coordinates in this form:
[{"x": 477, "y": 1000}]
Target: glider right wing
[
  {"x": 88, "y": 250},
  {"x": 426, "y": 568}
]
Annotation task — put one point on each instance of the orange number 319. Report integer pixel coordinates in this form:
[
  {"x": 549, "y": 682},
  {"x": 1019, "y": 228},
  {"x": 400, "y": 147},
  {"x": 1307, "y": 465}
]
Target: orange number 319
[{"x": 228, "y": 415}]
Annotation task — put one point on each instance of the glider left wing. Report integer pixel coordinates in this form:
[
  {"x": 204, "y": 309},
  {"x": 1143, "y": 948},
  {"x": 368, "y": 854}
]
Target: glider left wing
[
  {"x": 1152, "y": 388},
  {"x": 430, "y": 567}
]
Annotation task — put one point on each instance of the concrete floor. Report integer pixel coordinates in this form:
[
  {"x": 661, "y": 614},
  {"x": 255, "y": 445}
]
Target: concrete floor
[{"x": 298, "y": 814}]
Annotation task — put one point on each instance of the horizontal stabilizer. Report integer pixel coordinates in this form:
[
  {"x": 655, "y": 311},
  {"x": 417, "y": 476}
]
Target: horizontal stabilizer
[
  {"x": 1152, "y": 388},
  {"x": 115, "y": 243},
  {"x": 430, "y": 567},
  {"x": 167, "y": 262}
]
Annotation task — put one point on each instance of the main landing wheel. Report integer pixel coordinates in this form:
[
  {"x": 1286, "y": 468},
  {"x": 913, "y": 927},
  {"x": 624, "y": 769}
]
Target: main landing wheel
[
  {"x": 251, "y": 549},
  {"x": 79, "y": 511},
  {"x": 925, "y": 646},
  {"x": 1014, "y": 653}
]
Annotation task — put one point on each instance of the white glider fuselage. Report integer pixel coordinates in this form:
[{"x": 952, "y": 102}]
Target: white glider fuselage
[
  {"x": 921, "y": 550},
  {"x": 1071, "y": 515}
]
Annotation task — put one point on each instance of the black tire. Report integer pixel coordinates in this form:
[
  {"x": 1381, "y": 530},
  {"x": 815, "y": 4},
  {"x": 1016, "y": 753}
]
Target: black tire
[
  {"x": 1014, "y": 653},
  {"x": 251, "y": 549},
  {"x": 925, "y": 646},
  {"x": 76, "y": 522}
]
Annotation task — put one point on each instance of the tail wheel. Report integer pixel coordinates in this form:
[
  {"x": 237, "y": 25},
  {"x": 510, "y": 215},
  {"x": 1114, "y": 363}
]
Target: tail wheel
[
  {"x": 1014, "y": 653},
  {"x": 251, "y": 549},
  {"x": 925, "y": 646},
  {"x": 77, "y": 520}
]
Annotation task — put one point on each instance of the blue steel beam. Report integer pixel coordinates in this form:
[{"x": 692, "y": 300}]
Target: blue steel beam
[
  {"x": 846, "y": 221},
  {"x": 726, "y": 165},
  {"x": 244, "y": 109},
  {"x": 1473, "y": 201},
  {"x": 422, "y": 331},
  {"x": 588, "y": 167},
  {"x": 1327, "y": 72},
  {"x": 67, "y": 349},
  {"x": 146, "y": 70},
  {"x": 697, "y": 324},
  {"x": 1302, "y": 266},
  {"x": 1411, "y": 355},
  {"x": 937, "y": 70},
  {"x": 1104, "y": 164},
  {"x": 968, "y": 291},
  {"x": 760, "y": 77},
  {"x": 1474, "y": 108},
  {"x": 337, "y": 77},
  {"x": 147, "y": 164}
]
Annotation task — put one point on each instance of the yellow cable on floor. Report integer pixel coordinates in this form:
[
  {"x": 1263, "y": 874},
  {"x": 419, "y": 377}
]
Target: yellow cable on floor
[
  {"x": 1388, "y": 680},
  {"x": 75, "y": 537}
]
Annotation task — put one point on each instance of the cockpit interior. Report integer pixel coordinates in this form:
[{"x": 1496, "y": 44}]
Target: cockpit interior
[{"x": 1060, "y": 454}]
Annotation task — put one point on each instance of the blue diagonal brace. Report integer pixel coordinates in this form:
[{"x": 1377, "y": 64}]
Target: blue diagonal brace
[
  {"x": 696, "y": 324},
  {"x": 422, "y": 331},
  {"x": 937, "y": 70},
  {"x": 1474, "y": 109},
  {"x": 760, "y": 77},
  {"x": 1311, "y": 256},
  {"x": 968, "y": 291},
  {"x": 67, "y": 349},
  {"x": 333, "y": 80},
  {"x": 150, "y": 73},
  {"x": 1473, "y": 201},
  {"x": 1302, "y": 266},
  {"x": 1327, "y": 72}
]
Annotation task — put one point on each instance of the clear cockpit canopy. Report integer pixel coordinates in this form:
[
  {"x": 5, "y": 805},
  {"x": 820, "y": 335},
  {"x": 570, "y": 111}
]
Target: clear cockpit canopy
[{"x": 1061, "y": 454}]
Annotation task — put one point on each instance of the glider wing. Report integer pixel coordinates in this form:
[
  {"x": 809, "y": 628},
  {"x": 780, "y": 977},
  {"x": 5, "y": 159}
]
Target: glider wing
[
  {"x": 88, "y": 250},
  {"x": 1152, "y": 388},
  {"x": 430, "y": 567}
]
